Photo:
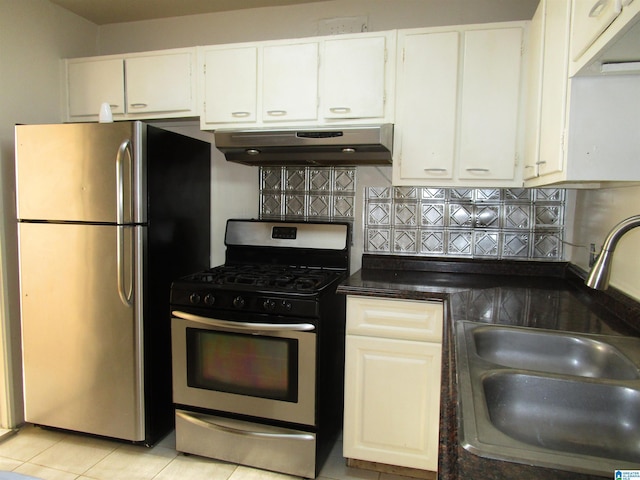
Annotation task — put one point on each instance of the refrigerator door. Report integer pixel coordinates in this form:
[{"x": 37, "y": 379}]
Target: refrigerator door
[
  {"x": 80, "y": 172},
  {"x": 82, "y": 337}
]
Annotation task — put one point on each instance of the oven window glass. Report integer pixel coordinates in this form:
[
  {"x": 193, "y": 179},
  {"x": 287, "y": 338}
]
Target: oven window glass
[{"x": 258, "y": 366}]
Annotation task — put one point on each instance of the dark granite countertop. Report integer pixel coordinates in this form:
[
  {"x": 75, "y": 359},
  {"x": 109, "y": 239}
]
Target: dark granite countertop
[{"x": 547, "y": 295}]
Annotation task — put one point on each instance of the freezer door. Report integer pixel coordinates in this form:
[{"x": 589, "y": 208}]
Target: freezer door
[
  {"x": 80, "y": 172},
  {"x": 82, "y": 342}
]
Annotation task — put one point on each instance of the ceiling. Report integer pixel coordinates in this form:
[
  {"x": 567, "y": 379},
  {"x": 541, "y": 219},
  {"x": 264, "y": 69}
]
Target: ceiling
[{"x": 102, "y": 12}]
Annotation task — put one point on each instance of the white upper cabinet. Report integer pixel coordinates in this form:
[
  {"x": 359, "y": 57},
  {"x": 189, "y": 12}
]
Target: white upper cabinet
[
  {"x": 303, "y": 82},
  {"x": 590, "y": 19},
  {"x": 290, "y": 82},
  {"x": 548, "y": 89},
  {"x": 605, "y": 37},
  {"x": 427, "y": 106},
  {"x": 459, "y": 101},
  {"x": 150, "y": 85},
  {"x": 91, "y": 82},
  {"x": 582, "y": 130},
  {"x": 490, "y": 104},
  {"x": 162, "y": 83},
  {"x": 355, "y": 77},
  {"x": 229, "y": 76}
]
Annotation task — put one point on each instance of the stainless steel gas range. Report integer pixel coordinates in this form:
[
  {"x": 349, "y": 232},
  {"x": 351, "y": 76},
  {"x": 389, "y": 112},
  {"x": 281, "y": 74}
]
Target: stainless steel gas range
[{"x": 258, "y": 347}]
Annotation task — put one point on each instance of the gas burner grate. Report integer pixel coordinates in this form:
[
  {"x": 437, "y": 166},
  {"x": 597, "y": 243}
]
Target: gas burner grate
[{"x": 266, "y": 276}]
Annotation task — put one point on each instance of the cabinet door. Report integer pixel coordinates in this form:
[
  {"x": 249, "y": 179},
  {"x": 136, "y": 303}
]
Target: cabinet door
[
  {"x": 160, "y": 83},
  {"x": 555, "y": 87},
  {"x": 353, "y": 74},
  {"x": 290, "y": 82},
  {"x": 392, "y": 401},
  {"x": 426, "y": 105},
  {"x": 534, "y": 87},
  {"x": 489, "y": 113},
  {"x": 590, "y": 19},
  {"x": 92, "y": 82},
  {"x": 230, "y": 85}
]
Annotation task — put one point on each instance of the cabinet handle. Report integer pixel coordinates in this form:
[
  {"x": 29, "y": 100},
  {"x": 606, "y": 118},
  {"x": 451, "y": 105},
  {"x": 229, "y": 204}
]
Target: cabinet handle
[
  {"x": 339, "y": 109},
  {"x": 541, "y": 162},
  {"x": 435, "y": 170},
  {"x": 477, "y": 170},
  {"x": 597, "y": 8},
  {"x": 138, "y": 105},
  {"x": 113, "y": 105},
  {"x": 277, "y": 113},
  {"x": 240, "y": 114}
]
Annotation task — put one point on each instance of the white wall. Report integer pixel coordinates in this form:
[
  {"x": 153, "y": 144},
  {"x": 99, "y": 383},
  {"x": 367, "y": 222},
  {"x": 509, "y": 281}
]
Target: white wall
[
  {"x": 34, "y": 35},
  {"x": 597, "y": 211},
  {"x": 302, "y": 21}
]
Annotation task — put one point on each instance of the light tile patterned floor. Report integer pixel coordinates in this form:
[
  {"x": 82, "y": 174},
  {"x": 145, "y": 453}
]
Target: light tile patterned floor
[{"x": 53, "y": 455}]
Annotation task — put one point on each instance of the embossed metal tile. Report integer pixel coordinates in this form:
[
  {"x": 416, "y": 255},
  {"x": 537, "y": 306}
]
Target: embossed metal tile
[
  {"x": 432, "y": 242},
  {"x": 515, "y": 223},
  {"x": 325, "y": 193}
]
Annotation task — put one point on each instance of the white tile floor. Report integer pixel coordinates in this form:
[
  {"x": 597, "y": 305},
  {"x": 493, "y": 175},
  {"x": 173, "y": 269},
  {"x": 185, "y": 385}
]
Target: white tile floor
[{"x": 53, "y": 455}]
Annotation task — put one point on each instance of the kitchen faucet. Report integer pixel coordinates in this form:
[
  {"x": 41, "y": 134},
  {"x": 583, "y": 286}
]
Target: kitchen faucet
[{"x": 601, "y": 271}]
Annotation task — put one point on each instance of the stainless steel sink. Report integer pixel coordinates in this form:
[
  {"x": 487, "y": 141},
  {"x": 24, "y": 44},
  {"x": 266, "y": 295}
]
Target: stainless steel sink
[
  {"x": 554, "y": 399},
  {"x": 566, "y": 415},
  {"x": 554, "y": 353}
]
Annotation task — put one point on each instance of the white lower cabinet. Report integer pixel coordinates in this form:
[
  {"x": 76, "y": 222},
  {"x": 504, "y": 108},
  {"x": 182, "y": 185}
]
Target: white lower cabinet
[{"x": 392, "y": 381}]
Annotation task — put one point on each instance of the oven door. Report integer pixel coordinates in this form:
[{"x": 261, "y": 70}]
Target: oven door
[{"x": 261, "y": 370}]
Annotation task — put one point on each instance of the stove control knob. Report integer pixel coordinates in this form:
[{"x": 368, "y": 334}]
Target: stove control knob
[
  {"x": 269, "y": 305},
  {"x": 286, "y": 305},
  {"x": 209, "y": 299},
  {"x": 239, "y": 302},
  {"x": 194, "y": 298}
]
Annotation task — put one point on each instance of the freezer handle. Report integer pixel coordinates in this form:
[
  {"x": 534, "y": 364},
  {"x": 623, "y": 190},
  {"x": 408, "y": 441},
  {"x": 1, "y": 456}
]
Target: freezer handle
[{"x": 126, "y": 293}]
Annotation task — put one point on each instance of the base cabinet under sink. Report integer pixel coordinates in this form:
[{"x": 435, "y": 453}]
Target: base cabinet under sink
[{"x": 392, "y": 382}]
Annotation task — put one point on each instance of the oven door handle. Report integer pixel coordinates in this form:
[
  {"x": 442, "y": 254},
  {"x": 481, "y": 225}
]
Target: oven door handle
[
  {"x": 207, "y": 423},
  {"x": 246, "y": 326}
]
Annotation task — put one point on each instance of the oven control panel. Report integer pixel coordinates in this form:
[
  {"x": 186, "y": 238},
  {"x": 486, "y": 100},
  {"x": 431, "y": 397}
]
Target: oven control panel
[{"x": 247, "y": 302}]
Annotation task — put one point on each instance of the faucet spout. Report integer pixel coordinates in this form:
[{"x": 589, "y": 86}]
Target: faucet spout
[{"x": 601, "y": 271}]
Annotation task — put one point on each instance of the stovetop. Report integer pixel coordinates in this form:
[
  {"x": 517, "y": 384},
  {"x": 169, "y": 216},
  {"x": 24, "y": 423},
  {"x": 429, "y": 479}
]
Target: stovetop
[
  {"x": 259, "y": 289},
  {"x": 274, "y": 278},
  {"x": 281, "y": 268}
]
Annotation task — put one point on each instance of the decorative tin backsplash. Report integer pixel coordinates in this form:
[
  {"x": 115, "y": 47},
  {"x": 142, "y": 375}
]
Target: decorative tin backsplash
[
  {"x": 465, "y": 222},
  {"x": 323, "y": 193}
]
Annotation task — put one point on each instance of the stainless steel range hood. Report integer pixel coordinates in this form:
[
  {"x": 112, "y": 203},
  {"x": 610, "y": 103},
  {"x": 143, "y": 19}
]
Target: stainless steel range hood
[{"x": 352, "y": 145}]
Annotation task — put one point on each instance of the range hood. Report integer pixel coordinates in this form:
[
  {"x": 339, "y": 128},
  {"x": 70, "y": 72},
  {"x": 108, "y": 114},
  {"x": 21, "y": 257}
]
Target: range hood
[{"x": 352, "y": 145}]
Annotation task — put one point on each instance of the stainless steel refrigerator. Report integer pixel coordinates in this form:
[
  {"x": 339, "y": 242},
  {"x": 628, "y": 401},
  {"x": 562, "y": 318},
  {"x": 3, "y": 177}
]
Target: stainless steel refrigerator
[{"x": 108, "y": 215}]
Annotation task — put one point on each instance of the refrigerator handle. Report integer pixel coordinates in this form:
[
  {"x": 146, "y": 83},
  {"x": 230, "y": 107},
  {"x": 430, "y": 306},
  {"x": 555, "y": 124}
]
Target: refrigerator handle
[
  {"x": 124, "y": 151},
  {"x": 126, "y": 294}
]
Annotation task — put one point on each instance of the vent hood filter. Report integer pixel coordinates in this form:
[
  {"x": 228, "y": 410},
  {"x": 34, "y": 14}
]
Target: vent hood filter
[{"x": 325, "y": 146}]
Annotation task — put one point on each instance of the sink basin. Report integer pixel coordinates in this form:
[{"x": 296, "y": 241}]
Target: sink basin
[
  {"x": 568, "y": 401},
  {"x": 566, "y": 415},
  {"x": 554, "y": 353}
]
